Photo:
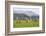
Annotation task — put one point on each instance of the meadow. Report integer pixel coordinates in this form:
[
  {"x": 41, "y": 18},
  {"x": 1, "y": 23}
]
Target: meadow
[{"x": 25, "y": 23}]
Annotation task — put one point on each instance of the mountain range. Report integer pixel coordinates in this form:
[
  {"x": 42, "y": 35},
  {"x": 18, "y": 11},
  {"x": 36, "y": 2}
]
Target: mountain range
[{"x": 28, "y": 13}]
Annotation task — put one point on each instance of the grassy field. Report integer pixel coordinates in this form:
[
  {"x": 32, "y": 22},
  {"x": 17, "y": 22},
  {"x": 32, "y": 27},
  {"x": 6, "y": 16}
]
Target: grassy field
[{"x": 25, "y": 23}]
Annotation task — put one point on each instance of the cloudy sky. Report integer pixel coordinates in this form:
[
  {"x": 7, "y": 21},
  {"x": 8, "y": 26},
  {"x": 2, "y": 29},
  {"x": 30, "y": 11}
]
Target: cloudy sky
[{"x": 26, "y": 10}]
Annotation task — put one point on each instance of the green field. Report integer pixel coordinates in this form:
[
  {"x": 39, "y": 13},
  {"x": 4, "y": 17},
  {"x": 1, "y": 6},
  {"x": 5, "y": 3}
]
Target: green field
[{"x": 25, "y": 23}]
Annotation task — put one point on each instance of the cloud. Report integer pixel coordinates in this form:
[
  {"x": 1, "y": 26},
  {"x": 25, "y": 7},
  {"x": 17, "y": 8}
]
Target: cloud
[{"x": 26, "y": 10}]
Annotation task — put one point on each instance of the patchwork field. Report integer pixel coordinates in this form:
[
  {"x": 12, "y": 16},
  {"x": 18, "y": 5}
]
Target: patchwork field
[{"x": 25, "y": 23}]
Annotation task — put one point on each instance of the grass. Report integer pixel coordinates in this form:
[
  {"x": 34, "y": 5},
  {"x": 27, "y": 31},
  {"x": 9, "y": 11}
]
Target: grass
[{"x": 25, "y": 23}]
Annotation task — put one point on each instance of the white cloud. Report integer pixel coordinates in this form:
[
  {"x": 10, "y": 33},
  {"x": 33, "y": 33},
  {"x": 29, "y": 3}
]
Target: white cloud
[{"x": 26, "y": 10}]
